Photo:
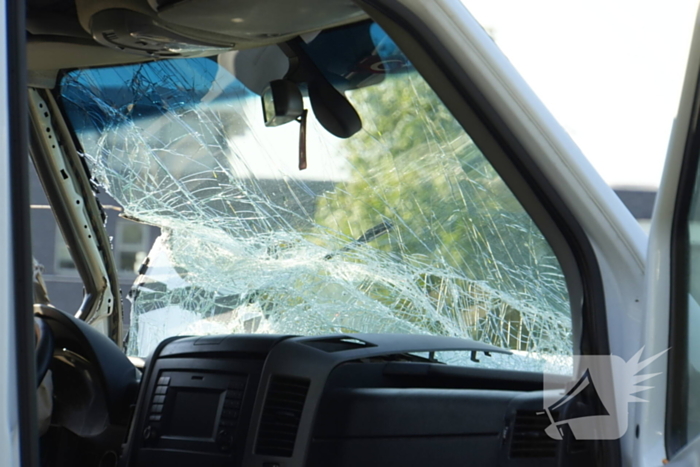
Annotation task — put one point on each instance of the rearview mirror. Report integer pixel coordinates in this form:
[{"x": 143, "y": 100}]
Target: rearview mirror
[{"x": 282, "y": 102}]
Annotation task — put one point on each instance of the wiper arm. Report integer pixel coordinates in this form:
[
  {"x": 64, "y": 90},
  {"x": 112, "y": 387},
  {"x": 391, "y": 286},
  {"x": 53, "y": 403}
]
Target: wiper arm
[{"x": 369, "y": 235}]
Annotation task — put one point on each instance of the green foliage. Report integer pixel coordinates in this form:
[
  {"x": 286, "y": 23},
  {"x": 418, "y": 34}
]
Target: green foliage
[{"x": 413, "y": 164}]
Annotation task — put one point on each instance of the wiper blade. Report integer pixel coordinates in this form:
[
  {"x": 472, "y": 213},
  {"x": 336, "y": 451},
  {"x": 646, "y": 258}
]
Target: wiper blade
[{"x": 369, "y": 235}]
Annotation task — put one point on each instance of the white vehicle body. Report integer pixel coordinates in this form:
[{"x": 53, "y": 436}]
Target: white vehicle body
[{"x": 635, "y": 271}]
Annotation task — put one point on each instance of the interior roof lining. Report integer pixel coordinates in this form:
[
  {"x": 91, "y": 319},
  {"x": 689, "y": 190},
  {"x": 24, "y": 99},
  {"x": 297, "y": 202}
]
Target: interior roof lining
[
  {"x": 50, "y": 54},
  {"x": 60, "y": 43},
  {"x": 55, "y": 53}
]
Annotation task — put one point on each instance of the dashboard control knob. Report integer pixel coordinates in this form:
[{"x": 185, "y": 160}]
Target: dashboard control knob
[{"x": 225, "y": 440}]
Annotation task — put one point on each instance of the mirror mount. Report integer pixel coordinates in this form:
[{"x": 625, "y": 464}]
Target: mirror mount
[
  {"x": 282, "y": 103},
  {"x": 282, "y": 100},
  {"x": 331, "y": 108}
]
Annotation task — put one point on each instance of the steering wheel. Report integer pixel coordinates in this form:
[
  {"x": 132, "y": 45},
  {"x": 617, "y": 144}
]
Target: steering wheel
[{"x": 43, "y": 348}]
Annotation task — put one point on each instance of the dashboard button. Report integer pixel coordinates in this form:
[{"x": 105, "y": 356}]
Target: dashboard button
[
  {"x": 154, "y": 418},
  {"x": 161, "y": 389},
  {"x": 230, "y": 413},
  {"x": 164, "y": 380},
  {"x": 232, "y": 404},
  {"x": 157, "y": 408},
  {"x": 234, "y": 394},
  {"x": 225, "y": 440},
  {"x": 227, "y": 423},
  {"x": 236, "y": 384},
  {"x": 158, "y": 399}
]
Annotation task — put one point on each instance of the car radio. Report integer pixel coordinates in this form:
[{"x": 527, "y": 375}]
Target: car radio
[
  {"x": 196, "y": 401},
  {"x": 172, "y": 418}
]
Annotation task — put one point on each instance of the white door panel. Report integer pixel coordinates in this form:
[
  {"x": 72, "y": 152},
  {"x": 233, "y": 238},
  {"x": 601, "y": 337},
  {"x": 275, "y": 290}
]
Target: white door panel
[{"x": 651, "y": 446}]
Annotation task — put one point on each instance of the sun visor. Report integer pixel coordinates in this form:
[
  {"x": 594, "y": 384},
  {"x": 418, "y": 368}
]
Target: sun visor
[
  {"x": 255, "y": 68},
  {"x": 349, "y": 57}
]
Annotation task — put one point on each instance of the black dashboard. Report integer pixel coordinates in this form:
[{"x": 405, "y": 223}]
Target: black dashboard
[
  {"x": 342, "y": 400},
  {"x": 288, "y": 401}
]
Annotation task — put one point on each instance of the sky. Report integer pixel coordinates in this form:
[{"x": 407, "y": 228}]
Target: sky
[{"x": 610, "y": 71}]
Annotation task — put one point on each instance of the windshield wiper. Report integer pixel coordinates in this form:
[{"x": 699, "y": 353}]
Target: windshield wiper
[{"x": 369, "y": 235}]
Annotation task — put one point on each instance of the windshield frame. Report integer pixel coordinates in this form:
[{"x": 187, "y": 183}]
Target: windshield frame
[{"x": 523, "y": 192}]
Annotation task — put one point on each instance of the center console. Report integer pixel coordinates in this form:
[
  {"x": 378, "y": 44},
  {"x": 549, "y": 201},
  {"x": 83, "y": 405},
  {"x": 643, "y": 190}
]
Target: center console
[
  {"x": 341, "y": 400},
  {"x": 196, "y": 400}
]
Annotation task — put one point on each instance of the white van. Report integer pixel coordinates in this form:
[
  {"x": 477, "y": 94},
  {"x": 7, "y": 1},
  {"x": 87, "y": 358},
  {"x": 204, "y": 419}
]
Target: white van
[{"x": 376, "y": 248}]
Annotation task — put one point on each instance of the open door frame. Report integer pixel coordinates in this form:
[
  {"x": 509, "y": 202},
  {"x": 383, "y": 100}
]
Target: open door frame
[
  {"x": 18, "y": 425},
  {"x": 663, "y": 434}
]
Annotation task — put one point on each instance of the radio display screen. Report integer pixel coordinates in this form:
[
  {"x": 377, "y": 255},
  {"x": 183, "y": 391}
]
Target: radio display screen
[{"x": 193, "y": 413}]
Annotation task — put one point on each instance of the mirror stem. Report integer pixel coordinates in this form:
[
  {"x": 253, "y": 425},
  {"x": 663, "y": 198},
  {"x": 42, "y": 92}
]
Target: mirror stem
[{"x": 302, "y": 139}]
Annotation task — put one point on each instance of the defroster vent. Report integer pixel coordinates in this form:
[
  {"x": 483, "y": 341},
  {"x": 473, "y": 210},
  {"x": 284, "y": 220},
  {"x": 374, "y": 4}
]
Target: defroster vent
[
  {"x": 529, "y": 439},
  {"x": 281, "y": 415}
]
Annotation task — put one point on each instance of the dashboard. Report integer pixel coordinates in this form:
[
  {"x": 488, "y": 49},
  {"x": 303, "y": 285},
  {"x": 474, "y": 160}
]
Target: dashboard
[
  {"x": 288, "y": 401},
  {"x": 341, "y": 400}
]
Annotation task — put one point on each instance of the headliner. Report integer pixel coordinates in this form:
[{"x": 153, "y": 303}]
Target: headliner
[{"x": 58, "y": 36}]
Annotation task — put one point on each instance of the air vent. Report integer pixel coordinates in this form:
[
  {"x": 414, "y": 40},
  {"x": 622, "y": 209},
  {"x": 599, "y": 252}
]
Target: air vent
[
  {"x": 529, "y": 439},
  {"x": 280, "y": 416}
]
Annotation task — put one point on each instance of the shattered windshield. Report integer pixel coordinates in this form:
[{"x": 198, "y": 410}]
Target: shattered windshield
[{"x": 403, "y": 227}]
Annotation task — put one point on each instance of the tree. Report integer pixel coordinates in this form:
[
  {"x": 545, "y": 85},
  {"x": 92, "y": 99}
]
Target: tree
[{"x": 489, "y": 271}]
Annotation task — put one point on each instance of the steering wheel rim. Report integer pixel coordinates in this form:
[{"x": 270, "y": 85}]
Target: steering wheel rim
[{"x": 43, "y": 348}]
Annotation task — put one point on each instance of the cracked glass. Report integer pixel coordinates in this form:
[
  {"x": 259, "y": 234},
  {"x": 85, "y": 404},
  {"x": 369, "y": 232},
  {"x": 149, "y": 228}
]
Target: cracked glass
[{"x": 404, "y": 227}]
